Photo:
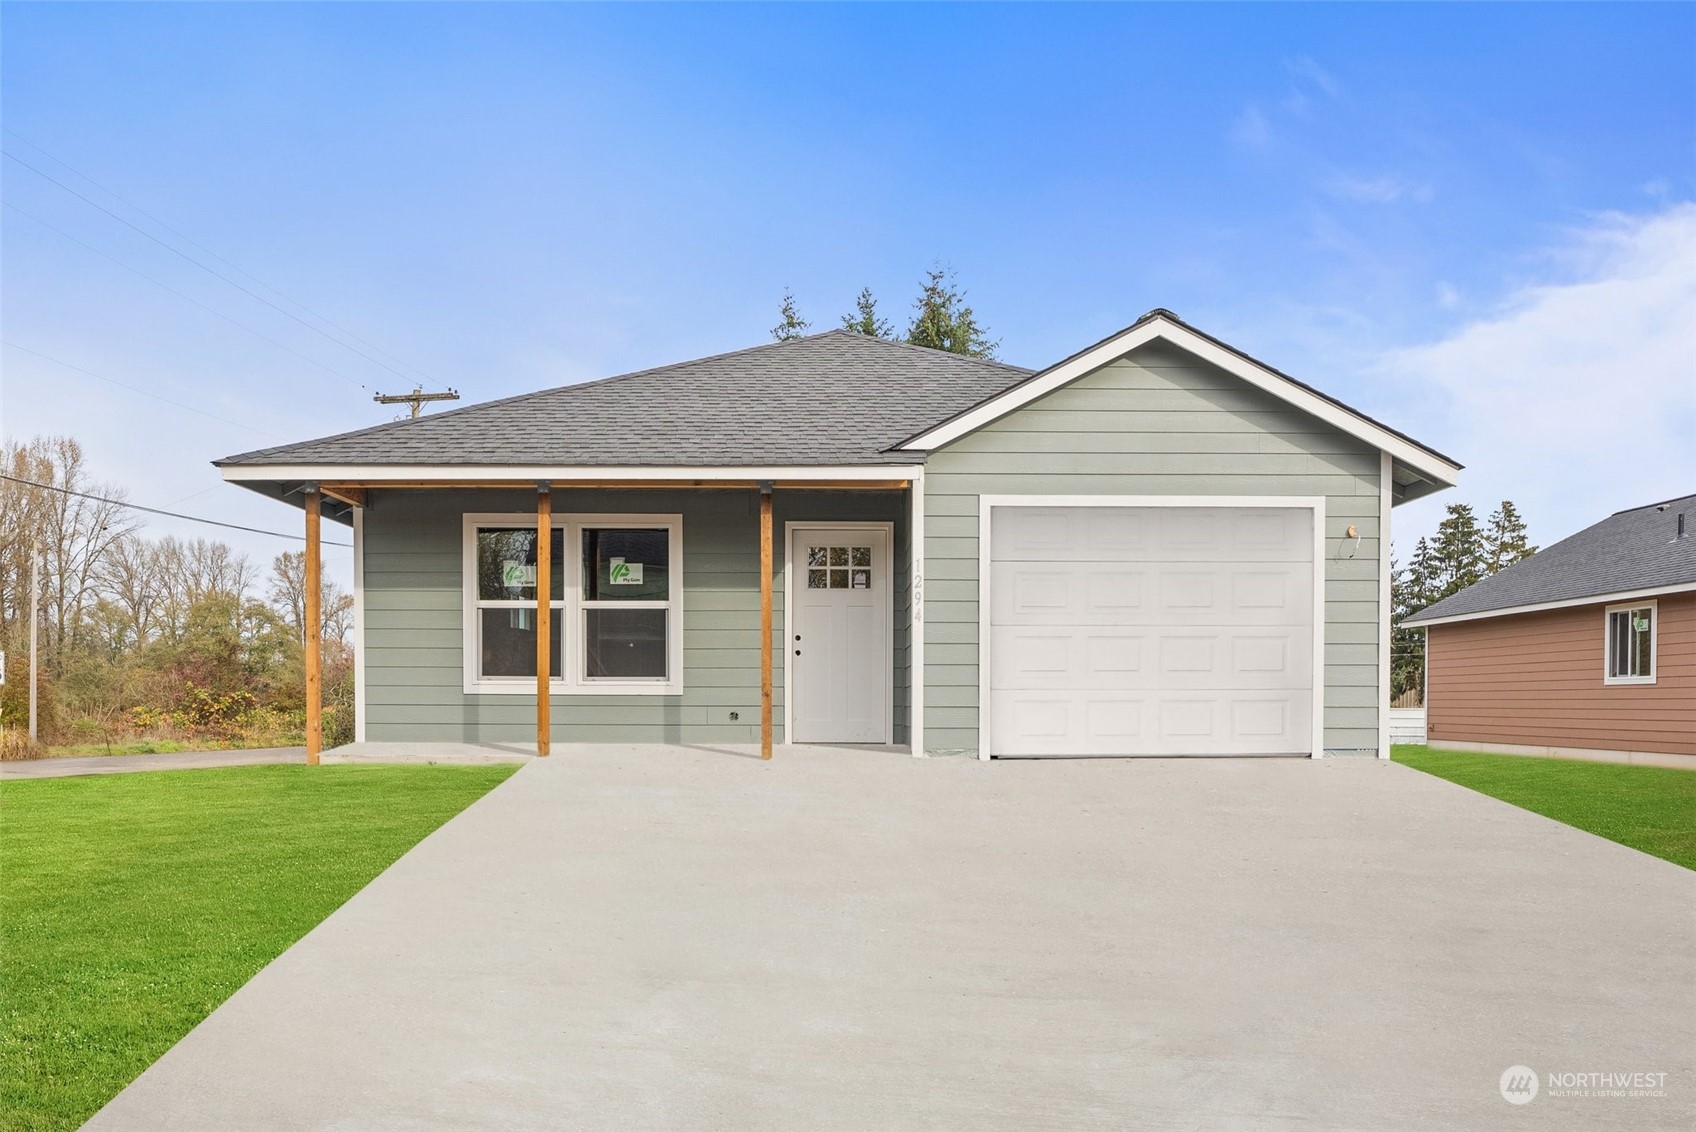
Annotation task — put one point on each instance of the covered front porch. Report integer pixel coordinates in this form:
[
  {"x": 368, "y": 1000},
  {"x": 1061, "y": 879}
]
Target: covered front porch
[
  {"x": 738, "y": 611},
  {"x": 478, "y": 754}
]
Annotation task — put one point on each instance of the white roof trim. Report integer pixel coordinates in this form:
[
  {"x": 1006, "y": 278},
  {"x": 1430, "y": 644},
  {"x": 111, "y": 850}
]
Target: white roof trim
[
  {"x": 451, "y": 473},
  {"x": 1426, "y": 463},
  {"x": 1538, "y": 607}
]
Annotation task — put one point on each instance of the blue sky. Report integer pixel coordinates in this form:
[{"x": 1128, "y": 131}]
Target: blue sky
[{"x": 1473, "y": 222}]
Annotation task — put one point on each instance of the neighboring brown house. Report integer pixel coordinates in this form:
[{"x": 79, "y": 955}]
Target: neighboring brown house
[{"x": 1587, "y": 648}]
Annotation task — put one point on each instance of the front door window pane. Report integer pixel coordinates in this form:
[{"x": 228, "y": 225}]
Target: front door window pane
[
  {"x": 628, "y": 643},
  {"x": 845, "y": 567}
]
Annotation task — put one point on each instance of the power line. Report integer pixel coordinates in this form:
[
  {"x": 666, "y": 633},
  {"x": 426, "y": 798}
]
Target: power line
[
  {"x": 136, "y": 389},
  {"x": 190, "y": 298},
  {"x": 157, "y": 511},
  {"x": 209, "y": 270},
  {"x": 192, "y": 242}
]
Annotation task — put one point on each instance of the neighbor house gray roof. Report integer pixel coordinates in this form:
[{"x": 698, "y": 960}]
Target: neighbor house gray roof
[
  {"x": 832, "y": 399},
  {"x": 1627, "y": 552}
]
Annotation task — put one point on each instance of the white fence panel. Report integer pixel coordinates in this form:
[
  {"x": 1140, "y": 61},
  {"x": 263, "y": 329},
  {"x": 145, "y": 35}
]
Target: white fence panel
[{"x": 1407, "y": 725}]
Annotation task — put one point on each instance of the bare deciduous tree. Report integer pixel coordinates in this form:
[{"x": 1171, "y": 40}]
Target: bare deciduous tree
[
  {"x": 75, "y": 533},
  {"x": 131, "y": 623},
  {"x": 288, "y": 594}
]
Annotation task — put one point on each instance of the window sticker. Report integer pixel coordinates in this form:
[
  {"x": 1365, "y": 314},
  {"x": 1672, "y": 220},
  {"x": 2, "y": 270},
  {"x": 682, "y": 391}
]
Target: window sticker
[{"x": 622, "y": 573}]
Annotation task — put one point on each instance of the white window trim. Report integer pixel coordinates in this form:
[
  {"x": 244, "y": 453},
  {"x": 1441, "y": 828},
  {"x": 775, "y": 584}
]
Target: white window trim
[
  {"x": 571, "y": 681},
  {"x": 1654, "y": 642},
  {"x": 1315, "y": 503}
]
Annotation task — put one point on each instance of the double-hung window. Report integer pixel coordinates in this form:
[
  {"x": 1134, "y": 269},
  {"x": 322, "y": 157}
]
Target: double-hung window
[
  {"x": 1631, "y": 644},
  {"x": 617, "y": 623},
  {"x": 626, "y": 588},
  {"x": 503, "y": 603}
]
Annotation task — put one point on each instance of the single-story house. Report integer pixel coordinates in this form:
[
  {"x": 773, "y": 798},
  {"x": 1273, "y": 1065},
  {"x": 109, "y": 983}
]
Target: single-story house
[
  {"x": 1156, "y": 546},
  {"x": 1587, "y": 648}
]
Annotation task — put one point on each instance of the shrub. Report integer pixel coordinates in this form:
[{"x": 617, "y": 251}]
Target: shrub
[{"x": 15, "y": 744}]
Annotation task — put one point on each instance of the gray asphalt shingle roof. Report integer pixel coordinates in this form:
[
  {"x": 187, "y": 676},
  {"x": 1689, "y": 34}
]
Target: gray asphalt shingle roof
[
  {"x": 832, "y": 398},
  {"x": 1632, "y": 550}
]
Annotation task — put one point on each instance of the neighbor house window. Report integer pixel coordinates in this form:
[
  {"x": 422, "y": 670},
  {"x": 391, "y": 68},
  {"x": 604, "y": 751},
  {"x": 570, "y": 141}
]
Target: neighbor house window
[
  {"x": 1631, "y": 644},
  {"x": 617, "y": 619}
]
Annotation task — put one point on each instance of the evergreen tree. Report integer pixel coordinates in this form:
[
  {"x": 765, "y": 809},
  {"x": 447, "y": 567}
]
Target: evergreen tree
[
  {"x": 865, "y": 318},
  {"x": 793, "y": 325},
  {"x": 1461, "y": 554},
  {"x": 1405, "y": 646},
  {"x": 1460, "y": 550},
  {"x": 1411, "y": 589},
  {"x": 1422, "y": 575},
  {"x": 1505, "y": 539},
  {"x": 943, "y": 321}
]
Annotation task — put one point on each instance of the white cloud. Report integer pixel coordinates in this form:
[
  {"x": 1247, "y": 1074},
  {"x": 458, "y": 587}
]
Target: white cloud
[
  {"x": 1303, "y": 67},
  {"x": 1448, "y": 296},
  {"x": 1577, "y": 398},
  {"x": 1251, "y": 130},
  {"x": 1383, "y": 189}
]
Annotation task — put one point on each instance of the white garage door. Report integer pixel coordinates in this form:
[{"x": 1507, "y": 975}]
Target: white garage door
[{"x": 1151, "y": 631}]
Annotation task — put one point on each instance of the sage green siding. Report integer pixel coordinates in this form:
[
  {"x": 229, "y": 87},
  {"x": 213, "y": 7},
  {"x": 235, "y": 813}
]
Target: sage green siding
[
  {"x": 1157, "y": 422},
  {"x": 414, "y": 617}
]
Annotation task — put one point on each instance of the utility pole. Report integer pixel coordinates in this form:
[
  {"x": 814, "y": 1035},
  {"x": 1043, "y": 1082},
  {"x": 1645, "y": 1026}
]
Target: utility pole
[
  {"x": 34, "y": 625},
  {"x": 416, "y": 399}
]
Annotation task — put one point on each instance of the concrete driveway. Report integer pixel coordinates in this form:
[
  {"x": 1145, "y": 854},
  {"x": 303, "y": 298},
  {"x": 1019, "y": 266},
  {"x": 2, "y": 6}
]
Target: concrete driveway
[{"x": 624, "y": 937}]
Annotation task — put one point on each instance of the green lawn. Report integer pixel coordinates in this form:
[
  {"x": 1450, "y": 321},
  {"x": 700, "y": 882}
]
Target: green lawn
[
  {"x": 1646, "y": 807},
  {"x": 131, "y": 905}
]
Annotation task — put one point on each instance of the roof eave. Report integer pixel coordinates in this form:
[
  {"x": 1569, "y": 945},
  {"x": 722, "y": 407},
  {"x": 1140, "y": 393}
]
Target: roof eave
[
  {"x": 1163, "y": 325},
  {"x": 449, "y": 474},
  {"x": 1608, "y": 598}
]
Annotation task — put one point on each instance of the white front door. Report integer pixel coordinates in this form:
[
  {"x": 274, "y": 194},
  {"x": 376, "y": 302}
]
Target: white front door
[
  {"x": 1151, "y": 631},
  {"x": 839, "y": 653}
]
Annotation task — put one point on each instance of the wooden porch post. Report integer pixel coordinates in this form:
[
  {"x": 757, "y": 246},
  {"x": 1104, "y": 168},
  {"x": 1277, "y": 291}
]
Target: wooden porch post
[
  {"x": 544, "y": 615},
  {"x": 765, "y": 619},
  {"x": 311, "y": 630}
]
